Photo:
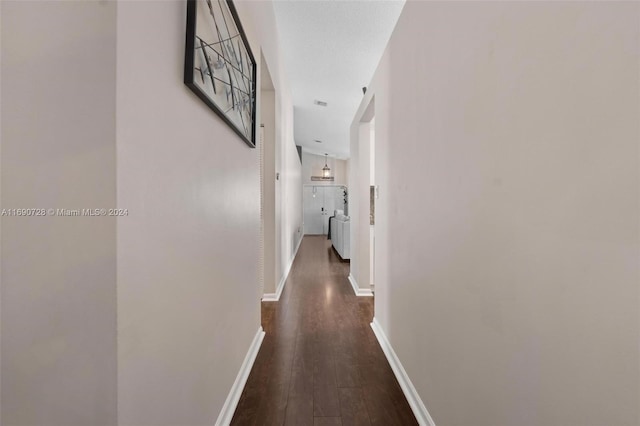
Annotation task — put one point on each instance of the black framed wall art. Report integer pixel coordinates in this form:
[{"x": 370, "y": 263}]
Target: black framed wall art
[{"x": 219, "y": 66}]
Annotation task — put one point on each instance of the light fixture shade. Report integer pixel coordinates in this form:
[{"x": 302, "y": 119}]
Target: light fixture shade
[{"x": 326, "y": 171}]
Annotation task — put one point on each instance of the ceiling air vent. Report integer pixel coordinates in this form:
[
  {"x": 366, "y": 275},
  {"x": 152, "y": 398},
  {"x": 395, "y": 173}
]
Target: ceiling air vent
[
  {"x": 317, "y": 141},
  {"x": 320, "y": 103}
]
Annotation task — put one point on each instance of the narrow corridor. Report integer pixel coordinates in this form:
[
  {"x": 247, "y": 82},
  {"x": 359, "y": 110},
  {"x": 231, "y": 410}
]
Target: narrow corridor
[{"x": 320, "y": 363}]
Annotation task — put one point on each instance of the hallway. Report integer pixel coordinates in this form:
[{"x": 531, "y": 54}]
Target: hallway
[{"x": 320, "y": 363}]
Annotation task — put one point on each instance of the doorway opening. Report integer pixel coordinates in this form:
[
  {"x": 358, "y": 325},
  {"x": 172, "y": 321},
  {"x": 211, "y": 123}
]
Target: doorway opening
[
  {"x": 267, "y": 153},
  {"x": 362, "y": 200},
  {"x": 372, "y": 203}
]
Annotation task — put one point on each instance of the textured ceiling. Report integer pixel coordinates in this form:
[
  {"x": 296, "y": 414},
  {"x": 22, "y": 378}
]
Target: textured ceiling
[{"x": 331, "y": 49}]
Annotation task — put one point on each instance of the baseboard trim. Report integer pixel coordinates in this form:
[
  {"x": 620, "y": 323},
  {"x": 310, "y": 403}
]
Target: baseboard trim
[
  {"x": 415, "y": 402},
  {"x": 366, "y": 292},
  {"x": 229, "y": 407},
  {"x": 274, "y": 297}
]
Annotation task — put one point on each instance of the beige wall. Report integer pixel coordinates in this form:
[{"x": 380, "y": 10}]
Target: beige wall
[
  {"x": 507, "y": 228},
  {"x": 183, "y": 263},
  {"x": 188, "y": 289},
  {"x": 58, "y": 273},
  {"x": 188, "y": 292}
]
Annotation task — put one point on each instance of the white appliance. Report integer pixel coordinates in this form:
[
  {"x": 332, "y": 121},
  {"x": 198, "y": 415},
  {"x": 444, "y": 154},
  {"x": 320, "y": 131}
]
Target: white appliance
[{"x": 340, "y": 238}]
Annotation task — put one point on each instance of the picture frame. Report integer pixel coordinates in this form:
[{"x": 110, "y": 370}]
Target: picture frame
[{"x": 219, "y": 65}]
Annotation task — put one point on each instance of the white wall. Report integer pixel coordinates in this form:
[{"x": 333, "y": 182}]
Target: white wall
[
  {"x": 507, "y": 230},
  {"x": 312, "y": 165},
  {"x": 58, "y": 273}
]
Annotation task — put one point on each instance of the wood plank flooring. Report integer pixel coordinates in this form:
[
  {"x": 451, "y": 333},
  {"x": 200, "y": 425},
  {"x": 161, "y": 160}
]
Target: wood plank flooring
[{"x": 320, "y": 363}]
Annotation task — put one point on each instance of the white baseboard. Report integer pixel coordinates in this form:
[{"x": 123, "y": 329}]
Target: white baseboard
[
  {"x": 229, "y": 407},
  {"x": 274, "y": 297},
  {"x": 357, "y": 290},
  {"x": 417, "y": 406}
]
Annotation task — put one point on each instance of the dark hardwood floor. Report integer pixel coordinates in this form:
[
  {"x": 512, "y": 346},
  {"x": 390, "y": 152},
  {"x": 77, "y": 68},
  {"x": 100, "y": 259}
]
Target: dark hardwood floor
[{"x": 320, "y": 363}]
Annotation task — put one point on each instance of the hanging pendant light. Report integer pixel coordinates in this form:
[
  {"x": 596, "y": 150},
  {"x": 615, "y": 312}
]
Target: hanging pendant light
[{"x": 326, "y": 171}]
